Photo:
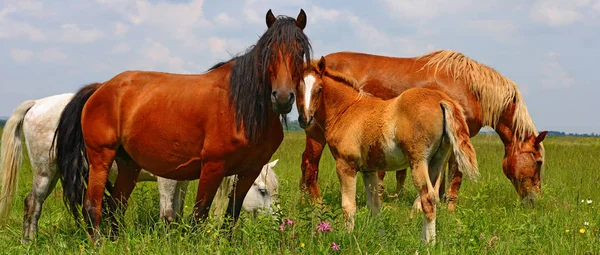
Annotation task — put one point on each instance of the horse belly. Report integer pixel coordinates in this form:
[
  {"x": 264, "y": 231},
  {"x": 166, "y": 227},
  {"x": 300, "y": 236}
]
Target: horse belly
[
  {"x": 395, "y": 159},
  {"x": 165, "y": 162},
  {"x": 385, "y": 156}
]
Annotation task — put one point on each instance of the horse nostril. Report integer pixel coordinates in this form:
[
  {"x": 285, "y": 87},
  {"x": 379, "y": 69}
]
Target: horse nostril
[
  {"x": 292, "y": 96},
  {"x": 274, "y": 93}
]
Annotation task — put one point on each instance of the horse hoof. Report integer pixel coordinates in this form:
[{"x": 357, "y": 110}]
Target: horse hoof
[{"x": 25, "y": 241}]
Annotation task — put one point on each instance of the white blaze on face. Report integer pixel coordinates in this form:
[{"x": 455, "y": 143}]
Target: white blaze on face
[{"x": 309, "y": 81}]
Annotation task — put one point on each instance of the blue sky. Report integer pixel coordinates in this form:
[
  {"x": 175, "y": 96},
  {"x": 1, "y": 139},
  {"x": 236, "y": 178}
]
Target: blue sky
[{"x": 549, "y": 47}]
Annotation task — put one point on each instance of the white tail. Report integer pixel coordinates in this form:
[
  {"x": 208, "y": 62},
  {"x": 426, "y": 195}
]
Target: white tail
[
  {"x": 458, "y": 133},
  {"x": 11, "y": 154}
]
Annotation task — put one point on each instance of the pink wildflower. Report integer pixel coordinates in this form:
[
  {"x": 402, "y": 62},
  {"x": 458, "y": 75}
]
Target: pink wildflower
[
  {"x": 335, "y": 246},
  {"x": 289, "y": 221},
  {"x": 324, "y": 227},
  {"x": 282, "y": 227}
]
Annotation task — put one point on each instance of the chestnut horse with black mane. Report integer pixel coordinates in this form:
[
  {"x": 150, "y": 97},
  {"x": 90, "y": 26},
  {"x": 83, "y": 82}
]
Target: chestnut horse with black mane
[
  {"x": 182, "y": 127},
  {"x": 487, "y": 97},
  {"x": 419, "y": 128}
]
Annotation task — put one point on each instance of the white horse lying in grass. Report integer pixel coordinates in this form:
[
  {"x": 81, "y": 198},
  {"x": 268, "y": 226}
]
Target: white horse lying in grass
[
  {"x": 37, "y": 119},
  {"x": 260, "y": 198}
]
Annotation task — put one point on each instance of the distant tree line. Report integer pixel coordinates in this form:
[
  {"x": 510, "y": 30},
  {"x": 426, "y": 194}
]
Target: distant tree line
[
  {"x": 2, "y": 122},
  {"x": 292, "y": 126},
  {"x": 554, "y": 133}
]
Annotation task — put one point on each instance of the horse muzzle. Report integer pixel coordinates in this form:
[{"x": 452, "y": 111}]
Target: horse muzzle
[
  {"x": 305, "y": 122},
  {"x": 282, "y": 102}
]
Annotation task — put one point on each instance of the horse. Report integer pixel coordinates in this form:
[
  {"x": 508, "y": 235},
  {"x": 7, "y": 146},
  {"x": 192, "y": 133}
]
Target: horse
[
  {"x": 365, "y": 134},
  {"x": 223, "y": 122},
  {"x": 35, "y": 121},
  {"x": 261, "y": 196},
  {"x": 487, "y": 97}
]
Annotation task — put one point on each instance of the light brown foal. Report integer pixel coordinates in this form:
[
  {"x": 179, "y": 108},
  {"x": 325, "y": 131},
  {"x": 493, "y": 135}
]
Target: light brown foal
[{"x": 419, "y": 129}]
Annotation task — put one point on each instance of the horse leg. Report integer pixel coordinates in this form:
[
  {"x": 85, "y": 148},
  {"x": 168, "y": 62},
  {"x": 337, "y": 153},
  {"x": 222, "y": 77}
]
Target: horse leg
[
  {"x": 211, "y": 176},
  {"x": 168, "y": 196},
  {"x": 240, "y": 188},
  {"x": 381, "y": 188},
  {"x": 315, "y": 143},
  {"x": 420, "y": 174},
  {"x": 126, "y": 180},
  {"x": 456, "y": 181},
  {"x": 180, "y": 193},
  {"x": 347, "y": 176},
  {"x": 370, "y": 180},
  {"x": 44, "y": 181},
  {"x": 100, "y": 161},
  {"x": 442, "y": 186},
  {"x": 400, "y": 179}
]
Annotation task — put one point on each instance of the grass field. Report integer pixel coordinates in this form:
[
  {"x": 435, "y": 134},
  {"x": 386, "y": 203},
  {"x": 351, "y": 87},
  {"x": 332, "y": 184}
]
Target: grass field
[{"x": 488, "y": 219}]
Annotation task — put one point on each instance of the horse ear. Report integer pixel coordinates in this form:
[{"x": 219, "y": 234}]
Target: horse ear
[
  {"x": 321, "y": 65},
  {"x": 301, "y": 20},
  {"x": 270, "y": 18},
  {"x": 273, "y": 163},
  {"x": 540, "y": 137}
]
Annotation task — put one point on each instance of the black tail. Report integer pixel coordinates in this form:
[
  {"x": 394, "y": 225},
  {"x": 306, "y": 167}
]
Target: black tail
[{"x": 69, "y": 149}]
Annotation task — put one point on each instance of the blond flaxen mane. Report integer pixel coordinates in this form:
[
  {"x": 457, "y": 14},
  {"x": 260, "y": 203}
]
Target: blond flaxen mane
[
  {"x": 344, "y": 78},
  {"x": 494, "y": 91}
]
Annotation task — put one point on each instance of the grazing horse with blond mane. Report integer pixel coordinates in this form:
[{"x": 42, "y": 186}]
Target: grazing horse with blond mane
[
  {"x": 487, "y": 98},
  {"x": 419, "y": 128},
  {"x": 182, "y": 127}
]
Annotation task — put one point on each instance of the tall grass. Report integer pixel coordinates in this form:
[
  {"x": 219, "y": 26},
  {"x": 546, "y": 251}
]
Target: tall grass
[{"x": 489, "y": 217}]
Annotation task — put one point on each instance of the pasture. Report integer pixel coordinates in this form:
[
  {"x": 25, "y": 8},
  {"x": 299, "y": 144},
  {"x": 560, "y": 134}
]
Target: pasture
[{"x": 488, "y": 219}]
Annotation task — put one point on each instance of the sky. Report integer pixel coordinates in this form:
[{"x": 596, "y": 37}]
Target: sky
[{"x": 550, "y": 48}]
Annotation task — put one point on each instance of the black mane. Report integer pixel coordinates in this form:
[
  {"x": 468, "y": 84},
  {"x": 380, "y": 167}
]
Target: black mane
[{"x": 250, "y": 89}]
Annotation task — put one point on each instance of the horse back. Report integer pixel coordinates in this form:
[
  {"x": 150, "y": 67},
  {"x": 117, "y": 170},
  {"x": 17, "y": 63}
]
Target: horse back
[
  {"x": 165, "y": 122},
  {"x": 388, "y": 77}
]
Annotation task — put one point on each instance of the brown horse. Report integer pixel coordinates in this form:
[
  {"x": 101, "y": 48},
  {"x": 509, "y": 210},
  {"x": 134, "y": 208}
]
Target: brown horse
[
  {"x": 488, "y": 98},
  {"x": 419, "y": 128},
  {"x": 183, "y": 127}
]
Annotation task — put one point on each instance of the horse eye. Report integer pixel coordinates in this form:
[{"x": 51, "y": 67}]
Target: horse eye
[{"x": 319, "y": 89}]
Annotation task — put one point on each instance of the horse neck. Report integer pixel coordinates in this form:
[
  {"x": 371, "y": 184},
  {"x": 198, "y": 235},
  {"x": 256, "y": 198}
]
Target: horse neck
[
  {"x": 506, "y": 131},
  {"x": 337, "y": 98}
]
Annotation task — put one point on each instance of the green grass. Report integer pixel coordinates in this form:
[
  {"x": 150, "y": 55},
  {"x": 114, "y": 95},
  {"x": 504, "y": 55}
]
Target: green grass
[{"x": 488, "y": 219}]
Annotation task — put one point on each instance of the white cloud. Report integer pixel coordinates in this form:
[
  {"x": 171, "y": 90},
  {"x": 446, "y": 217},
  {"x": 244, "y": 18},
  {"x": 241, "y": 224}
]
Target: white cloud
[
  {"x": 499, "y": 30},
  {"x": 121, "y": 28},
  {"x": 424, "y": 10},
  {"x": 369, "y": 33},
  {"x": 557, "y": 12},
  {"x": 156, "y": 56},
  {"x": 53, "y": 55},
  {"x": 21, "y": 55},
  {"x": 71, "y": 33},
  {"x": 252, "y": 16},
  {"x": 224, "y": 47},
  {"x": 121, "y": 48},
  {"x": 320, "y": 14},
  {"x": 554, "y": 76},
  {"x": 27, "y": 7},
  {"x": 10, "y": 29},
  {"x": 177, "y": 20},
  {"x": 170, "y": 15},
  {"x": 223, "y": 19}
]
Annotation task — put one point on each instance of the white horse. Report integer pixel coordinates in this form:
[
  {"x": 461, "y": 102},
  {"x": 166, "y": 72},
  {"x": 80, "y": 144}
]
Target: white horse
[
  {"x": 38, "y": 120},
  {"x": 261, "y": 196}
]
